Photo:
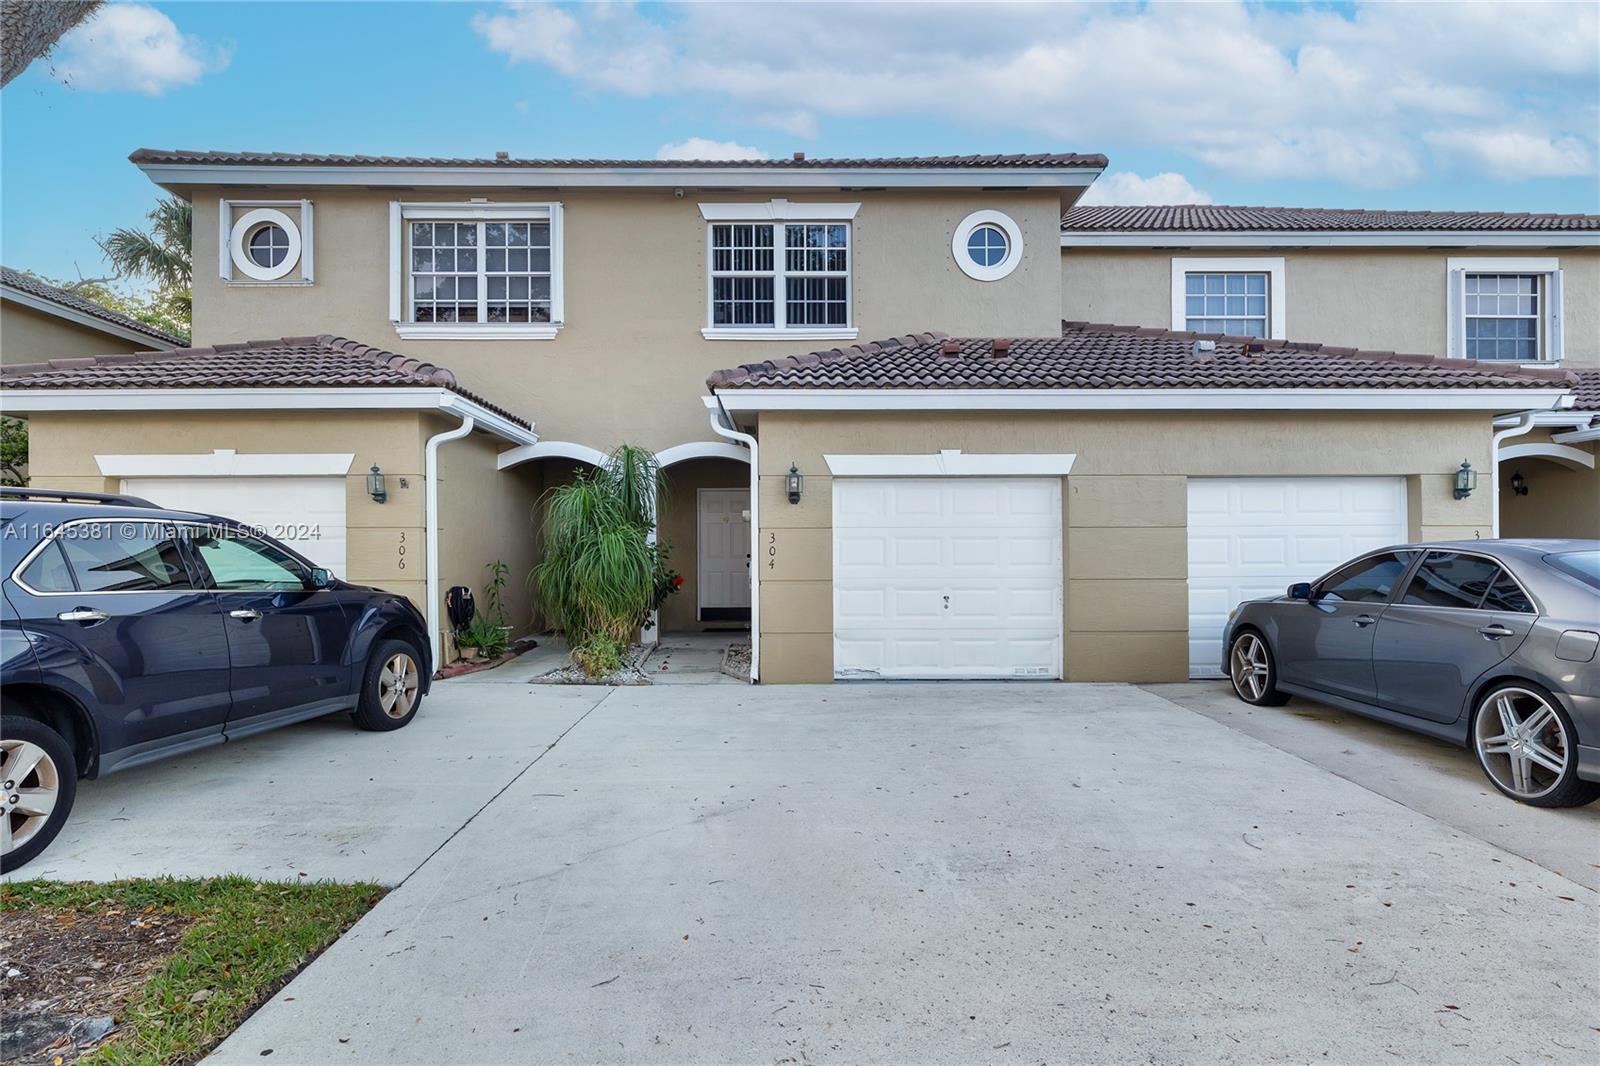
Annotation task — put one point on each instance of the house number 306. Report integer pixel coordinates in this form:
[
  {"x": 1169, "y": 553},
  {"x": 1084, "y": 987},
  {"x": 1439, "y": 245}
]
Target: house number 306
[
  {"x": 400, "y": 551},
  {"x": 772, "y": 550}
]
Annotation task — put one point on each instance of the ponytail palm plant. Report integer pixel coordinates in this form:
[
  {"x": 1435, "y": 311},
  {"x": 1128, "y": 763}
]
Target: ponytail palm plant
[{"x": 599, "y": 578}]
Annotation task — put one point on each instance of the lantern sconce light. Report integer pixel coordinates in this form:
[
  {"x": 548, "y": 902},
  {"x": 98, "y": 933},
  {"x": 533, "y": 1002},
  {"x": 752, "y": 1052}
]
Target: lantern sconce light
[
  {"x": 796, "y": 483},
  {"x": 375, "y": 485},
  {"x": 1466, "y": 480},
  {"x": 1519, "y": 484}
]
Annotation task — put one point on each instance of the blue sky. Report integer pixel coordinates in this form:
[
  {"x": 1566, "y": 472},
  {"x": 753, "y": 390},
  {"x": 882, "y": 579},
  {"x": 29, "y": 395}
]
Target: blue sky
[{"x": 1341, "y": 105}]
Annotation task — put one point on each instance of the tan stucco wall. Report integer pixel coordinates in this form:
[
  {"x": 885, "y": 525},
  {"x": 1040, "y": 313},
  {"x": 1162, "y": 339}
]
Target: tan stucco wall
[
  {"x": 30, "y": 336},
  {"x": 678, "y": 525},
  {"x": 1562, "y": 501},
  {"x": 1383, "y": 299},
  {"x": 630, "y": 365},
  {"x": 486, "y": 514},
  {"x": 1126, "y": 561}
]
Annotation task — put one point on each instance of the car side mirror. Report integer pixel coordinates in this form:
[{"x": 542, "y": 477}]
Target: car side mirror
[
  {"x": 320, "y": 578},
  {"x": 1300, "y": 590}
]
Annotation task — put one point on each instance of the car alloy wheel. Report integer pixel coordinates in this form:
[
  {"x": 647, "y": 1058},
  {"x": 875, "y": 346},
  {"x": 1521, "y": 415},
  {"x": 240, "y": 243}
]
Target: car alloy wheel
[
  {"x": 1248, "y": 667},
  {"x": 1521, "y": 742},
  {"x": 32, "y": 785},
  {"x": 397, "y": 685}
]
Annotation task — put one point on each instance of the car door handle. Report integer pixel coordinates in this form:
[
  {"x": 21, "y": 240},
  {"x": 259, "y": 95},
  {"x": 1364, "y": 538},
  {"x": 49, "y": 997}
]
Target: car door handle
[
  {"x": 1495, "y": 631},
  {"x": 1363, "y": 620},
  {"x": 83, "y": 614},
  {"x": 245, "y": 614}
]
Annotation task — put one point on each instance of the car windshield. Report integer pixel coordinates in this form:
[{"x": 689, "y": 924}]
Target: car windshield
[{"x": 1584, "y": 565}]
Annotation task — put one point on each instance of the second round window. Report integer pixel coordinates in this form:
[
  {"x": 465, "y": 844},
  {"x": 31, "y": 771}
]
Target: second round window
[{"x": 988, "y": 245}]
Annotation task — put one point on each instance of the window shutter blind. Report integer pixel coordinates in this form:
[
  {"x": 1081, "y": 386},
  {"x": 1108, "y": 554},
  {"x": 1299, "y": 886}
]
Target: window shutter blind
[
  {"x": 1455, "y": 333},
  {"x": 1554, "y": 345}
]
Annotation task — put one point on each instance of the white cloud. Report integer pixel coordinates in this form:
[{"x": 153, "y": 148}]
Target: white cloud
[
  {"x": 1124, "y": 187},
  {"x": 1516, "y": 151},
  {"x": 1306, "y": 92},
  {"x": 701, "y": 148},
  {"x": 133, "y": 48}
]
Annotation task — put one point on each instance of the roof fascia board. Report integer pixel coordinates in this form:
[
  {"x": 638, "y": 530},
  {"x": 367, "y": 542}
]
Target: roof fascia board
[
  {"x": 280, "y": 399},
  {"x": 1329, "y": 399},
  {"x": 620, "y": 178},
  {"x": 83, "y": 318},
  {"x": 1320, "y": 239}
]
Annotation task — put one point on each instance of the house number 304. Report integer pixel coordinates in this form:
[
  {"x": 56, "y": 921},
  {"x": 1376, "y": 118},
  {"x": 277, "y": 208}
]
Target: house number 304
[{"x": 772, "y": 550}]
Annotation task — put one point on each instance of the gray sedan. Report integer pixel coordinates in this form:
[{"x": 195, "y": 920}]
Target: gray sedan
[{"x": 1488, "y": 643}]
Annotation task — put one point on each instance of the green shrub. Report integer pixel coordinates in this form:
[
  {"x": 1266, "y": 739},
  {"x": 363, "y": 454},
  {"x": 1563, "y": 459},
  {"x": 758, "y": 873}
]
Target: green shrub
[
  {"x": 485, "y": 635},
  {"x": 599, "y": 656}
]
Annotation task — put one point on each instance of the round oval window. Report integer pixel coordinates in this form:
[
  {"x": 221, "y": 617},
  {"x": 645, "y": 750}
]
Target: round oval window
[
  {"x": 269, "y": 245},
  {"x": 987, "y": 245}
]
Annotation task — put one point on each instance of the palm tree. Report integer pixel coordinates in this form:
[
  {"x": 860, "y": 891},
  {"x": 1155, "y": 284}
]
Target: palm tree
[{"x": 161, "y": 253}]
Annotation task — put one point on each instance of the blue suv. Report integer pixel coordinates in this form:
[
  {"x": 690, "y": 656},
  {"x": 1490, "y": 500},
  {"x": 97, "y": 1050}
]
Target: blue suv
[{"x": 130, "y": 633}]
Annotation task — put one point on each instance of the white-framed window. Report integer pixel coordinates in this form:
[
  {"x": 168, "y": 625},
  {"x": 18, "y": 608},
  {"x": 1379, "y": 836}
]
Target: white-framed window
[
  {"x": 264, "y": 241},
  {"x": 987, "y": 245},
  {"x": 475, "y": 270},
  {"x": 779, "y": 271},
  {"x": 1505, "y": 309},
  {"x": 1238, "y": 296}
]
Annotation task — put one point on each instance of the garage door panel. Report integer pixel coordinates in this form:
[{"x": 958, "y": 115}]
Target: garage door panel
[
  {"x": 1253, "y": 537},
  {"x": 306, "y": 513},
  {"x": 969, "y": 572}
]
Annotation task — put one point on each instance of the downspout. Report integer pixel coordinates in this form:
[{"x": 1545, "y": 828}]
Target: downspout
[
  {"x": 430, "y": 477},
  {"x": 1524, "y": 424},
  {"x": 723, "y": 427}
]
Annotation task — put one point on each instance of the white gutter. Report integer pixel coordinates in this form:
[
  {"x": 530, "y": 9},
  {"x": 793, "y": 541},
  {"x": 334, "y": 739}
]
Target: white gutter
[
  {"x": 722, "y": 426},
  {"x": 1577, "y": 436},
  {"x": 430, "y": 476},
  {"x": 1322, "y": 239},
  {"x": 1524, "y": 424}
]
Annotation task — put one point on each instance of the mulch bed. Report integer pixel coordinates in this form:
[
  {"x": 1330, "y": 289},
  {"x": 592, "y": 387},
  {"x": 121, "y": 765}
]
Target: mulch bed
[{"x": 68, "y": 973}]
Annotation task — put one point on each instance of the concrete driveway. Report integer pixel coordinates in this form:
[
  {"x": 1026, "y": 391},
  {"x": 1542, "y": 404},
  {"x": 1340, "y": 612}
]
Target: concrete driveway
[{"x": 1007, "y": 873}]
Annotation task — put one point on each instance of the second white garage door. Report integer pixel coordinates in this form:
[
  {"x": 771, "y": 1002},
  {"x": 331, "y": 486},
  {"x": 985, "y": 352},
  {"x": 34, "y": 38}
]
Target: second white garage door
[
  {"x": 947, "y": 577},
  {"x": 306, "y": 513},
  {"x": 1254, "y": 537}
]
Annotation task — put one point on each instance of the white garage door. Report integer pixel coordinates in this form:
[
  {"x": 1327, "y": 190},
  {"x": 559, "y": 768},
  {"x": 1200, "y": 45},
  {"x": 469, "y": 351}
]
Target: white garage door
[
  {"x": 947, "y": 577},
  {"x": 1253, "y": 537},
  {"x": 306, "y": 513}
]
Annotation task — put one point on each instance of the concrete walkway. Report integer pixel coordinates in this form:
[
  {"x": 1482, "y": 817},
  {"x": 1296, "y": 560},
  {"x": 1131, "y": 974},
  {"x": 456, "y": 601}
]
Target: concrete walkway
[{"x": 1003, "y": 873}]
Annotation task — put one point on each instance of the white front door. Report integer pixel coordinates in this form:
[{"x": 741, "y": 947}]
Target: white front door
[
  {"x": 947, "y": 577},
  {"x": 1254, "y": 537},
  {"x": 723, "y": 556},
  {"x": 306, "y": 513}
]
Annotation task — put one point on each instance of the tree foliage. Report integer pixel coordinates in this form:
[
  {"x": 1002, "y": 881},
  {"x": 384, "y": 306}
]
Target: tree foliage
[
  {"x": 159, "y": 254},
  {"x": 13, "y": 451},
  {"x": 162, "y": 308}
]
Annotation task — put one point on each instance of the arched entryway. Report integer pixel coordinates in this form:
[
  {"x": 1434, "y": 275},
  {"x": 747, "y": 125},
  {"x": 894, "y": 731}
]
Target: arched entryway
[
  {"x": 1549, "y": 490},
  {"x": 704, "y": 519}
]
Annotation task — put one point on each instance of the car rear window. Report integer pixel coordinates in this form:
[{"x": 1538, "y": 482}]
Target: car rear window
[
  {"x": 1451, "y": 579},
  {"x": 124, "y": 557},
  {"x": 1506, "y": 595},
  {"x": 1584, "y": 565},
  {"x": 48, "y": 572}
]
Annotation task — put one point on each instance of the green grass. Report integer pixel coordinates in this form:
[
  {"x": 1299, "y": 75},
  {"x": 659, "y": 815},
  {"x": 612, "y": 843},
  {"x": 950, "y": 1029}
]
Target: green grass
[{"x": 247, "y": 939}]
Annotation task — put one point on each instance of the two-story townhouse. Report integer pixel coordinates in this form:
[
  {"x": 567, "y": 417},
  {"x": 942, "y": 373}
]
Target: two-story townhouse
[
  {"x": 1516, "y": 288},
  {"x": 1033, "y": 501}
]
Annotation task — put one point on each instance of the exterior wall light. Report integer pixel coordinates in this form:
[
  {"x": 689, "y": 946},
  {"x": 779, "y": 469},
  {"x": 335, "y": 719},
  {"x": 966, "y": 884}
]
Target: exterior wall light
[
  {"x": 375, "y": 485},
  {"x": 796, "y": 483},
  {"x": 1466, "y": 480},
  {"x": 1519, "y": 484}
]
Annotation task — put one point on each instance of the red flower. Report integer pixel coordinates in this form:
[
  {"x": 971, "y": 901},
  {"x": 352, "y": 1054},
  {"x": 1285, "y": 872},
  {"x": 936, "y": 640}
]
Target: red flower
[{"x": 677, "y": 582}]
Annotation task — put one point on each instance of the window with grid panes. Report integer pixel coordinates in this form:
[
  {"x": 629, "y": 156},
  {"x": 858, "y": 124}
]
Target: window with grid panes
[
  {"x": 1231, "y": 303},
  {"x": 1502, "y": 316},
  {"x": 776, "y": 275},
  {"x": 483, "y": 271}
]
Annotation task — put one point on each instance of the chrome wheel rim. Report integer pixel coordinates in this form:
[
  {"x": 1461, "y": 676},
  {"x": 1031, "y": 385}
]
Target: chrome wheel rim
[
  {"x": 1248, "y": 667},
  {"x": 397, "y": 685},
  {"x": 1521, "y": 742},
  {"x": 32, "y": 785}
]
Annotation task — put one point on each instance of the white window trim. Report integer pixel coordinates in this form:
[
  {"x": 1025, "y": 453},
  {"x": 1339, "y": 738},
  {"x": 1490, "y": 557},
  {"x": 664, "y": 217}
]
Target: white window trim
[
  {"x": 973, "y": 270},
  {"x": 225, "y": 462},
  {"x": 231, "y": 233},
  {"x": 400, "y": 274},
  {"x": 1277, "y": 287},
  {"x": 779, "y": 212},
  {"x": 950, "y": 462},
  {"x": 1457, "y": 269}
]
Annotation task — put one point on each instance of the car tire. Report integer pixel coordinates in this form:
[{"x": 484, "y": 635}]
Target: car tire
[
  {"x": 391, "y": 687},
  {"x": 39, "y": 798},
  {"x": 1515, "y": 752},
  {"x": 1252, "y": 670}
]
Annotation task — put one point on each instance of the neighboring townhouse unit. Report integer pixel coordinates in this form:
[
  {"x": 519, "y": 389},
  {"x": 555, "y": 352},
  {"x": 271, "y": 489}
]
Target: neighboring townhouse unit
[
  {"x": 41, "y": 321},
  {"x": 1043, "y": 499}
]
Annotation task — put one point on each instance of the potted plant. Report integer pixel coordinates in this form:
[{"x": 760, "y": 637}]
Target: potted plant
[{"x": 482, "y": 638}]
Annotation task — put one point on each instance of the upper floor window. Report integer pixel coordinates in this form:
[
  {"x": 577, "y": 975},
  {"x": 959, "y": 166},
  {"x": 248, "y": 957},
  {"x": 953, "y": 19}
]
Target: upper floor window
[
  {"x": 1505, "y": 308},
  {"x": 987, "y": 245},
  {"x": 477, "y": 270},
  {"x": 264, "y": 242},
  {"x": 1242, "y": 297},
  {"x": 781, "y": 279}
]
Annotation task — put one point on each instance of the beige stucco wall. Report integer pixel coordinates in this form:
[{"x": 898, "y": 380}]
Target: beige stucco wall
[
  {"x": 630, "y": 365},
  {"x": 1125, "y": 536},
  {"x": 28, "y": 335},
  {"x": 1562, "y": 501},
  {"x": 1378, "y": 298}
]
